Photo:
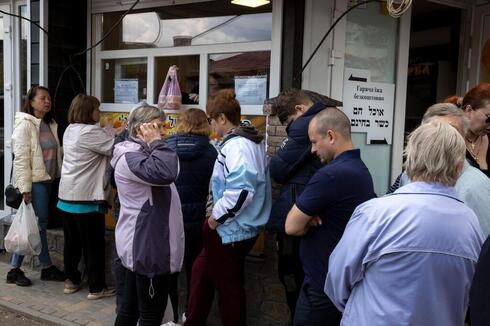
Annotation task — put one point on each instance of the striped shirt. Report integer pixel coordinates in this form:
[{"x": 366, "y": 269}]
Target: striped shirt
[{"x": 49, "y": 147}]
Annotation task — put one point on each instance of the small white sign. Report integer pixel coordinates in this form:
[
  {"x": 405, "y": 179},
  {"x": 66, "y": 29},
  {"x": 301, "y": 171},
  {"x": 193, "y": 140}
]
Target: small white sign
[
  {"x": 251, "y": 90},
  {"x": 126, "y": 91},
  {"x": 369, "y": 105}
]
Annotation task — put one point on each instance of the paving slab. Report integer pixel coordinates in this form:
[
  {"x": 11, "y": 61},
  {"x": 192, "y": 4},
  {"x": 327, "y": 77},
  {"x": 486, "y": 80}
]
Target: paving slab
[{"x": 46, "y": 302}]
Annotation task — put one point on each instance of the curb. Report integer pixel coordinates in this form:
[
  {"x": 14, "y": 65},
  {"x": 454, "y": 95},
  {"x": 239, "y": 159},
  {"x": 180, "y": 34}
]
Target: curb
[{"x": 36, "y": 315}]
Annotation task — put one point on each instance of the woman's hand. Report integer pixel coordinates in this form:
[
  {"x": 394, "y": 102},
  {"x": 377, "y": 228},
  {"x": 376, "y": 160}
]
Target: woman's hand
[
  {"x": 27, "y": 197},
  {"x": 149, "y": 132},
  {"x": 213, "y": 224}
]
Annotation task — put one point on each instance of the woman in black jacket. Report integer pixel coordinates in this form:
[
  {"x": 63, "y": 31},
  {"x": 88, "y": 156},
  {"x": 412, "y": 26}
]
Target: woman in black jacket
[{"x": 196, "y": 158}]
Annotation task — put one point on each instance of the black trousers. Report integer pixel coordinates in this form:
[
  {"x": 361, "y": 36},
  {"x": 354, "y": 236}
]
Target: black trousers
[
  {"x": 144, "y": 299},
  {"x": 314, "y": 308},
  {"x": 289, "y": 269},
  {"x": 85, "y": 231}
]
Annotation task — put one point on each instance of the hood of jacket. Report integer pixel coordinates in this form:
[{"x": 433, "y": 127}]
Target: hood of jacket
[
  {"x": 21, "y": 117},
  {"x": 130, "y": 145},
  {"x": 188, "y": 146},
  {"x": 298, "y": 129},
  {"x": 249, "y": 132}
]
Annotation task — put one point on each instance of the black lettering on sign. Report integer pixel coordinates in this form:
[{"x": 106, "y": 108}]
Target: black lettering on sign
[
  {"x": 382, "y": 123},
  {"x": 360, "y": 122}
]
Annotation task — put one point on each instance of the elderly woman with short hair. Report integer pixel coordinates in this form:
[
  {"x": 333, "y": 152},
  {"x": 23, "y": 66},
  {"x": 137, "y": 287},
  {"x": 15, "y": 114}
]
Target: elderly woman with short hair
[
  {"x": 400, "y": 252},
  {"x": 150, "y": 231}
]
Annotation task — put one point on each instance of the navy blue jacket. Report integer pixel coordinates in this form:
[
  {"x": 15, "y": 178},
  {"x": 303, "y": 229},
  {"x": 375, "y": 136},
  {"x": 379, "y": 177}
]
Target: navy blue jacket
[
  {"x": 293, "y": 166},
  {"x": 196, "y": 158}
]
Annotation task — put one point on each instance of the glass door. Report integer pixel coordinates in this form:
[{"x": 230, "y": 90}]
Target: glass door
[{"x": 5, "y": 103}]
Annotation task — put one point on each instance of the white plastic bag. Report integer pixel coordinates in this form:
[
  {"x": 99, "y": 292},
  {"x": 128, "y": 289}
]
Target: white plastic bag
[{"x": 23, "y": 236}]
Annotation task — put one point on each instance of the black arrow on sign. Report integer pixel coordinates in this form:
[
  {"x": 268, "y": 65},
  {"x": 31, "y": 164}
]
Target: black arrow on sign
[
  {"x": 359, "y": 79},
  {"x": 378, "y": 141}
]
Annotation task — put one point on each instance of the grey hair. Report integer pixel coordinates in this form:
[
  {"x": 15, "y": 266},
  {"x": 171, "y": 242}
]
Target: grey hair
[
  {"x": 333, "y": 119},
  {"x": 143, "y": 114},
  {"x": 433, "y": 152},
  {"x": 447, "y": 110}
]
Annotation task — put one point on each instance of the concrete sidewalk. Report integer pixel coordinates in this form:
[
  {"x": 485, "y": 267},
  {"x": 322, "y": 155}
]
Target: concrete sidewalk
[{"x": 45, "y": 301}]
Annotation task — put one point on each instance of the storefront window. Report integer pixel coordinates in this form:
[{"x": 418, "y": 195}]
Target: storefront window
[
  {"x": 188, "y": 75},
  {"x": 247, "y": 73},
  {"x": 124, "y": 80},
  {"x": 211, "y": 22}
]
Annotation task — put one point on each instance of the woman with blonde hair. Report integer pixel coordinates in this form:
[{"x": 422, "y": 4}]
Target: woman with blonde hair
[
  {"x": 196, "y": 158},
  {"x": 84, "y": 193}
]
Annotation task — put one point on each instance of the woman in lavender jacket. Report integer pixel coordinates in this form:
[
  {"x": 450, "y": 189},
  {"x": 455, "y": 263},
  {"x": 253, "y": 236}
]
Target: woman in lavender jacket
[{"x": 150, "y": 231}]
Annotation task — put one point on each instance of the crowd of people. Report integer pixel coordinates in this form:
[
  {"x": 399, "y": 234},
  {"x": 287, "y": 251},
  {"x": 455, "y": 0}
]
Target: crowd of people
[{"x": 345, "y": 256}]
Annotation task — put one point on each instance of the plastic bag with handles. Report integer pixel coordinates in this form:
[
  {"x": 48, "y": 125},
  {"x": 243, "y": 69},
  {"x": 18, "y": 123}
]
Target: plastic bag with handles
[
  {"x": 170, "y": 97},
  {"x": 23, "y": 237}
]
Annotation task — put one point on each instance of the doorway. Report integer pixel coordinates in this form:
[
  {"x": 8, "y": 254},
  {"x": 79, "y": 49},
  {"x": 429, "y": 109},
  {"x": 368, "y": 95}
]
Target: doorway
[
  {"x": 434, "y": 56},
  {"x": 5, "y": 102}
]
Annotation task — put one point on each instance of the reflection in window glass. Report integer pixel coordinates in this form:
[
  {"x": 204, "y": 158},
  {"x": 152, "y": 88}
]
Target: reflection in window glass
[
  {"x": 247, "y": 73},
  {"x": 186, "y": 27},
  {"x": 371, "y": 43},
  {"x": 141, "y": 28},
  {"x": 124, "y": 80},
  {"x": 188, "y": 76}
]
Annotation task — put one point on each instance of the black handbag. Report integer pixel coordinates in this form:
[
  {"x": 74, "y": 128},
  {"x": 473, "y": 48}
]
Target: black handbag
[{"x": 13, "y": 197}]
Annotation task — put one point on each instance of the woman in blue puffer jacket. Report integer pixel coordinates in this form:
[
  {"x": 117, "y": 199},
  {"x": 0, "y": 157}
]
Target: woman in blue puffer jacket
[{"x": 196, "y": 158}]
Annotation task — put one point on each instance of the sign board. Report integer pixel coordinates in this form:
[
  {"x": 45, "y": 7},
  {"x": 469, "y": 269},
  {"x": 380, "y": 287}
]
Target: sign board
[
  {"x": 369, "y": 105},
  {"x": 126, "y": 91},
  {"x": 251, "y": 90}
]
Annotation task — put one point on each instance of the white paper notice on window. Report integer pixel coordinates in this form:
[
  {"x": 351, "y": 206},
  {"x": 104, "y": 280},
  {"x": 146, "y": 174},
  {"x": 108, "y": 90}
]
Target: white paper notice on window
[
  {"x": 126, "y": 91},
  {"x": 369, "y": 105},
  {"x": 251, "y": 90}
]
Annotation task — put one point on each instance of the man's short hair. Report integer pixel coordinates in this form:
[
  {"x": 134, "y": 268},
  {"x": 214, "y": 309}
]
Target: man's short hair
[
  {"x": 447, "y": 110},
  {"x": 433, "y": 152},
  {"x": 333, "y": 119},
  {"x": 284, "y": 105}
]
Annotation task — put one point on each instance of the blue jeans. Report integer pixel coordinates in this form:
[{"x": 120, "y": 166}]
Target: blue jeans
[
  {"x": 314, "y": 308},
  {"x": 40, "y": 202}
]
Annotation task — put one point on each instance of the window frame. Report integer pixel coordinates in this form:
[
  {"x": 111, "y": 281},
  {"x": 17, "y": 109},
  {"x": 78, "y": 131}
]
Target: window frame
[{"x": 203, "y": 51}]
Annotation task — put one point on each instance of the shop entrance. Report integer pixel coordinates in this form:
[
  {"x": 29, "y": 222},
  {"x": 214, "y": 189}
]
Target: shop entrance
[{"x": 434, "y": 55}]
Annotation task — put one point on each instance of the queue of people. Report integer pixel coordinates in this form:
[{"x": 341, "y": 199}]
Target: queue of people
[{"x": 345, "y": 256}]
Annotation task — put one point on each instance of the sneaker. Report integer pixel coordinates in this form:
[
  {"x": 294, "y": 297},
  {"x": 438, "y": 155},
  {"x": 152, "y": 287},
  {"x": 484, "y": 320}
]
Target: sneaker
[
  {"x": 70, "y": 287},
  {"x": 52, "y": 273},
  {"x": 15, "y": 275},
  {"x": 107, "y": 292}
]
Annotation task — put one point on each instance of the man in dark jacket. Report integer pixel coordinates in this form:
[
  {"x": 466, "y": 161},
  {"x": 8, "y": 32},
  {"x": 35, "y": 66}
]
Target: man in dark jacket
[{"x": 292, "y": 166}]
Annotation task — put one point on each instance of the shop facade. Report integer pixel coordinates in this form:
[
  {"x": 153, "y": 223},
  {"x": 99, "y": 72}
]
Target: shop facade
[{"x": 217, "y": 44}]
